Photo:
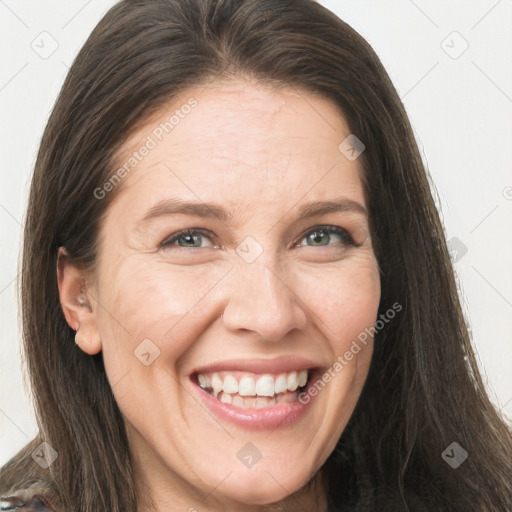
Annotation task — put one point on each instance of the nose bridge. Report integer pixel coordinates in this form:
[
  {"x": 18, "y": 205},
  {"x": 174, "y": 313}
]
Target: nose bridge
[{"x": 261, "y": 299}]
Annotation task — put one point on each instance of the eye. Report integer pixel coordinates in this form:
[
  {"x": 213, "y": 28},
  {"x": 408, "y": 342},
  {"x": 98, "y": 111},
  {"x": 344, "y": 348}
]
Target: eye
[
  {"x": 320, "y": 236},
  {"x": 188, "y": 239}
]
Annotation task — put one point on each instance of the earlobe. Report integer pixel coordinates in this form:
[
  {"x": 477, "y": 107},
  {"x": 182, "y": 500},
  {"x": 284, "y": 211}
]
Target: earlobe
[{"x": 77, "y": 304}]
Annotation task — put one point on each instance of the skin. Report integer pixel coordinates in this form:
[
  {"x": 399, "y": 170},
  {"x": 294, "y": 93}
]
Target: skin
[{"x": 260, "y": 153}]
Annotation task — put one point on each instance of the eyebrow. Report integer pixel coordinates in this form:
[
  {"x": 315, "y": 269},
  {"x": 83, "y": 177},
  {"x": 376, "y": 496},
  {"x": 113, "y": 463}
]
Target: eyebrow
[{"x": 176, "y": 205}]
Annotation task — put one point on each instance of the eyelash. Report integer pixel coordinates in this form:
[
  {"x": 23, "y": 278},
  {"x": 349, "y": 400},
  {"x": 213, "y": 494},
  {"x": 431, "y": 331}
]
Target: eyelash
[{"x": 347, "y": 240}]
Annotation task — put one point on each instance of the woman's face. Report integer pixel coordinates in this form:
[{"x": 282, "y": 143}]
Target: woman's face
[{"x": 271, "y": 281}]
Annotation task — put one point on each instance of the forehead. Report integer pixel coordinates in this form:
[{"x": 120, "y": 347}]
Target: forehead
[{"x": 239, "y": 142}]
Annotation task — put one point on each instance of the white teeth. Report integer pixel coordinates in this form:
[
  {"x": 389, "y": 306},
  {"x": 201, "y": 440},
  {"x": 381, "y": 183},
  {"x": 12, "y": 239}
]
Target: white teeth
[
  {"x": 262, "y": 402},
  {"x": 265, "y": 386},
  {"x": 230, "y": 385},
  {"x": 216, "y": 383},
  {"x": 247, "y": 387},
  {"x": 202, "y": 380},
  {"x": 251, "y": 385},
  {"x": 292, "y": 381},
  {"x": 226, "y": 398},
  {"x": 251, "y": 402},
  {"x": 238, "y": 401},
  {"x": 280, "y": 385}
]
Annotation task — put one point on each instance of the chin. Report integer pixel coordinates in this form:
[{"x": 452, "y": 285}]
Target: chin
[{"x": 263, "y": 487}]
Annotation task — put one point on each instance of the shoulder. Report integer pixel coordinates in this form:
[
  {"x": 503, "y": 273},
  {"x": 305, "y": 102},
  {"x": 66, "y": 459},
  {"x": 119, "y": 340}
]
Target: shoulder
[{"x": 25, "y": 486}]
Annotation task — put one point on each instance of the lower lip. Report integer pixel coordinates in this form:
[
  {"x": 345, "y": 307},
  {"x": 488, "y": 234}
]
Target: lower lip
[{"x": 277, "y": 416}]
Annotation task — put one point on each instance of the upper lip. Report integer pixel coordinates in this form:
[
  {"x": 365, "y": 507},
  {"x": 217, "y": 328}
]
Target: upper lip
[{"x": 282, "y": 364}]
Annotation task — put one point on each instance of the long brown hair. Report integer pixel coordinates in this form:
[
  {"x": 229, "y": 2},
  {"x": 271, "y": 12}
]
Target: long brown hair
[{"x": 424, "y": 390}]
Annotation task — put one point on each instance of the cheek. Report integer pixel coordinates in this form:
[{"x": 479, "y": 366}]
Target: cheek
[
  {"x": 147, "y": 301},
  {"x": 344, "y": 300},
  {"x": 161, "y": 309},
  {"x": 144, "y": 300}
]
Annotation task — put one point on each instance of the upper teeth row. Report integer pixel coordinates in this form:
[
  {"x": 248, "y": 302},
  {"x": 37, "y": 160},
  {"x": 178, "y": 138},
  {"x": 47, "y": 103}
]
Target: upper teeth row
[{"x": 249, "y": 386}]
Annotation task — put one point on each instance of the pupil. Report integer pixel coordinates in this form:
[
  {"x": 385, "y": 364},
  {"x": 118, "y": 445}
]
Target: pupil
[
  {"x": 189, "y": 239},
  {"x": 317, "y": 236}
]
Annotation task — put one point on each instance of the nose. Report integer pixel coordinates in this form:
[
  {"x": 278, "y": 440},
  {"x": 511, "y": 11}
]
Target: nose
[{"x": 263, "y": 300}]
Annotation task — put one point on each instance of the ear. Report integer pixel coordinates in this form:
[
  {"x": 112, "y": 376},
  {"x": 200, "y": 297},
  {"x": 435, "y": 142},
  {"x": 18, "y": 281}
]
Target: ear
[{"x": 77, "y": 303}]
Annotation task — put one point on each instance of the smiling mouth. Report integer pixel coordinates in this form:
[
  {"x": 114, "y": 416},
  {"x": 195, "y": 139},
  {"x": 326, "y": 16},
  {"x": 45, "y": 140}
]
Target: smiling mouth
[{"x": 254, "y": 391}]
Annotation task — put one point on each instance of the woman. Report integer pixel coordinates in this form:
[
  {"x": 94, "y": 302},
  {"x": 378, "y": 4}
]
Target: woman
[{"x": 236, "y": 291}]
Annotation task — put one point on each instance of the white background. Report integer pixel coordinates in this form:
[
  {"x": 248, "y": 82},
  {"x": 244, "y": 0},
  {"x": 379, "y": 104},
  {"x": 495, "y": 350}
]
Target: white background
[{"x": 460, "y": 109}]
